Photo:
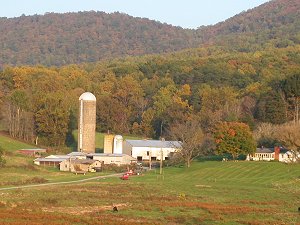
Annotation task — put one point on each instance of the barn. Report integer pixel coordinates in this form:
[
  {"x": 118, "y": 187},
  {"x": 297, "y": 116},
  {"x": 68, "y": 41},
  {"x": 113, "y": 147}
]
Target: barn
[{"x": 150, "y": 149}]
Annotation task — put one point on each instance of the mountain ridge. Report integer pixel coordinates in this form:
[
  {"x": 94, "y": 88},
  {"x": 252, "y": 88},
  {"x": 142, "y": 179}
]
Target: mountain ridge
[{"x": 56, "y": 39}]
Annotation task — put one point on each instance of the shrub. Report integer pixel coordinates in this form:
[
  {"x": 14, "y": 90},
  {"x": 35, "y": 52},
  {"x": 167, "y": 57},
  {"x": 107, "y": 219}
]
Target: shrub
[{"x": 2, "y": 161}]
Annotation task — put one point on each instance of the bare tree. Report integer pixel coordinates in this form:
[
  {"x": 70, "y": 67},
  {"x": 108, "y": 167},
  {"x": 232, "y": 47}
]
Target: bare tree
[
  {"x": 191, "y": 137},
  {"x": 290, "y": 136}
]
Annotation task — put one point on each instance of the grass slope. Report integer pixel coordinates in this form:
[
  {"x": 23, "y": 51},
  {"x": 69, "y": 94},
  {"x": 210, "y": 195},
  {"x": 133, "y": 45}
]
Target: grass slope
[
  {"x": 10, "y": 144},
  {"x": 20, "y": 170},
  {"x": 206, "y": 193}
]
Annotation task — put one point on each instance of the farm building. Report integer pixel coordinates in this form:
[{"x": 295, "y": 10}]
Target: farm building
[
  {"x": 118, "y": 159},
  {"x": 48, "y": 161},
  {"x": 270, "y": 154},
  {"x": 150, "y": 149},
  {"x": 54, "y": 160},
  {"x": 35, "y": 152},
  {"x": 76, "y": 165}
]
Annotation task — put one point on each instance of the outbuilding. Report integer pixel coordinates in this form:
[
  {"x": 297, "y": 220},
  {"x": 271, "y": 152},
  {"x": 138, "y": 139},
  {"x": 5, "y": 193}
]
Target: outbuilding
[
  {"x": 78, "y": 165},
  {"x": 48, "y": 161},
  {"x": 35, "y": 152}
]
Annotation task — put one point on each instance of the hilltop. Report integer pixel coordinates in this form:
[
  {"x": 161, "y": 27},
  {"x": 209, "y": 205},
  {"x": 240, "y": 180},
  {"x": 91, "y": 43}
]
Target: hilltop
[
  {"x": 274, "y": 23},
  {"x": 60, "y": 39},
  {"x": 57, "y": 39}
]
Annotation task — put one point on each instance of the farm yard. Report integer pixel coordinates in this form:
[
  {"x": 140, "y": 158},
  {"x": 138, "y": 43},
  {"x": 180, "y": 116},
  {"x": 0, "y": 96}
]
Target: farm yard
[{"x": 207, "y": 193}]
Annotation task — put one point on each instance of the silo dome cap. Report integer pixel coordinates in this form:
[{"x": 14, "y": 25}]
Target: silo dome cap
[
  {"x": 119, "y": 137},
  {"x": 87, "y": 96}
]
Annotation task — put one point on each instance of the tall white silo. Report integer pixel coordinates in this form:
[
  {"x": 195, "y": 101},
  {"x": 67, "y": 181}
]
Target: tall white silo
[
  {"x": 118, "y": 144},
  {"x": 87, "y": 123}
]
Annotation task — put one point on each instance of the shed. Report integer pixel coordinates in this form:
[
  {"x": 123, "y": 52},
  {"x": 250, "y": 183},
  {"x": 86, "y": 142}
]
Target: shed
[
  {"x": 48, "y": 161},
  {"x": 76, "y": 165},
  {"x": 35, "y": 152}
]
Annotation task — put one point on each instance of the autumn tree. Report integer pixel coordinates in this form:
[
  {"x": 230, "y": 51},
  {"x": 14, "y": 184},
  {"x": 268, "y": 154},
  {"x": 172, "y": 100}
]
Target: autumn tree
[
  {"x": 190, "y": 135},
  {"x": 218, "y": 104},
  {"x": 171, "y": 106},
  {"x": 234, "y": 138},
  {"x": 52, "y": 119},
  {"x": 17, "y": 115},
  {"x": 291, "y": 87},
  {"x": 265, "y": 134},
  {"x": 271, "y": 108}
]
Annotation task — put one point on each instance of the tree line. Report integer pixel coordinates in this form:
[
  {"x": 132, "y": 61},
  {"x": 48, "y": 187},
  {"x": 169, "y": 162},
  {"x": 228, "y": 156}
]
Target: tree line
[{"x": 151, "y": 95}]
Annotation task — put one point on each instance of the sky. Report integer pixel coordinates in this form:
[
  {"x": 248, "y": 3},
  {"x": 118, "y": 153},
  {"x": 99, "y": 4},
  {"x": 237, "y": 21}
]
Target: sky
[{"x": 184, "y": 13}]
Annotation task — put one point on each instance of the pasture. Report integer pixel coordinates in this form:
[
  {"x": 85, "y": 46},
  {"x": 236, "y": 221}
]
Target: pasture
[{"x": 207, "y": 193}]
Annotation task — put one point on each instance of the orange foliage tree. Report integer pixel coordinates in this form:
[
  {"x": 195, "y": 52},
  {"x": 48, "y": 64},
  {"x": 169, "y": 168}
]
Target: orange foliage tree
[{"x": 234, "y": 138}]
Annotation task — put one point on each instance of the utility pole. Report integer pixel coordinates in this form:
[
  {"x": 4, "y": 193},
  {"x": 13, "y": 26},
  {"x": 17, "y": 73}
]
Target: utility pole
[
  {"x": 161, "y": 161},
  {"x": 150, "y": 155},
  {"x": 161, "y": 156}
]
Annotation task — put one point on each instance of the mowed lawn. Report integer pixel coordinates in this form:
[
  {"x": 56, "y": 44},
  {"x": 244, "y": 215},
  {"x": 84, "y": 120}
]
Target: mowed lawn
[{"x": 207, "y": 193}]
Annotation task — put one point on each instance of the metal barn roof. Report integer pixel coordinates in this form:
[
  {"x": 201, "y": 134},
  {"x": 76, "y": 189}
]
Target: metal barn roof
[
  {"x": 76, "y": 154},
  {"x": 106, "y": 155},
  {"x": 50, "y": 159},
  {"x": 154, "y": 143}
]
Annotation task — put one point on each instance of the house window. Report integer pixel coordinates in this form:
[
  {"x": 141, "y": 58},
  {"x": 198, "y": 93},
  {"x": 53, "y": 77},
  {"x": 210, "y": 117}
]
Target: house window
[
  {"x": 153, "y": 158},
  {"x": 139, "y": 158},
  {"x": 147, "y": 153},
  {"x": 166, "y": 158}
]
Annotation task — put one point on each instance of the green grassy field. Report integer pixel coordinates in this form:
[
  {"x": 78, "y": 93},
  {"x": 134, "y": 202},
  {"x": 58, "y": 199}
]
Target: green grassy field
[{"x": 207, "y": 193}]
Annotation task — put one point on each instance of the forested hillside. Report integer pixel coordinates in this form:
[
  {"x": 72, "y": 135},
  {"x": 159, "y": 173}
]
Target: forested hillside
[
  {"x": 276, "y": 23},
  {"x": 148, "y": 95},
  {"x": 60, "y": 39}
]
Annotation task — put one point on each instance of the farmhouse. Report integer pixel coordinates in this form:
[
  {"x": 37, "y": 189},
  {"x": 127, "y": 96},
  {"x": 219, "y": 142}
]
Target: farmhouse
[
  {"x": 77, "y": 165},
  {"x": 118, "y": 159},
  {"x": 150, "y": 149},
  {"x": 270, "y": 154}
]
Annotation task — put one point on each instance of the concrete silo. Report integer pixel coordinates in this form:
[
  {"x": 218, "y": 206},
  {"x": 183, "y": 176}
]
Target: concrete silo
[
  {"x": 108, "y": 143},
  {"x": 87, "y": 123},
  {"x": 118, "y": 144}
]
